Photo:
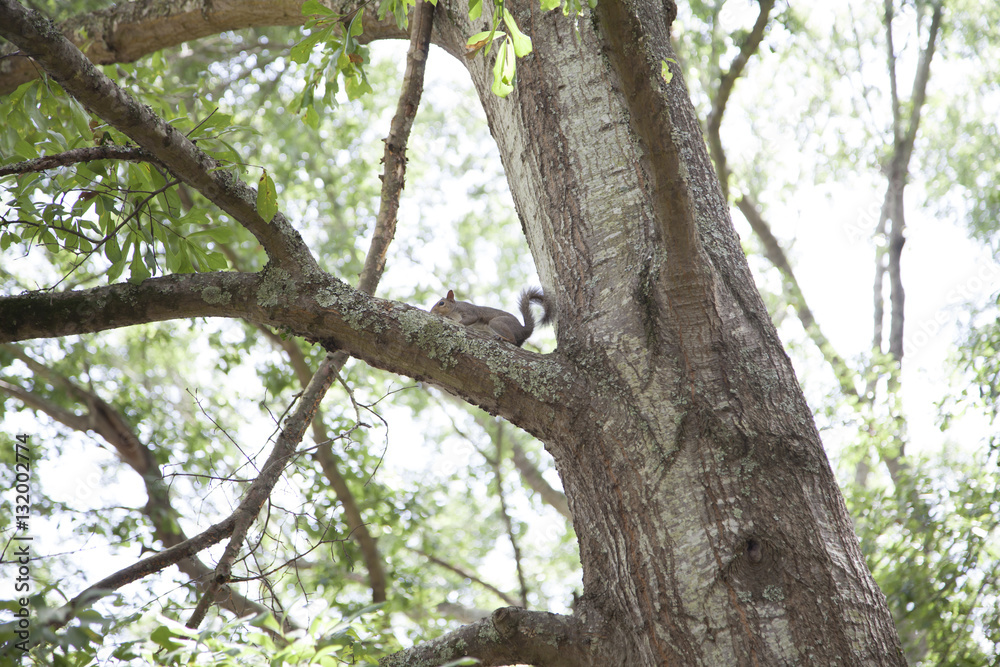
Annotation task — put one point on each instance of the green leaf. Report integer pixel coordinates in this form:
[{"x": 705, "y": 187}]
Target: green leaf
[
  {"x": 522, "y": 43},
  {"x": 481, "y": 39},
  {"x": 112, "y": 251},
  {"x": 311, "y": 118},
  {"x": 356, "y": 27},
  {"x": 504, "y": 69},
  {"x": 25, "y": 150},
  {"x": 215, "y": 121},
  {"x": 164, "y": 637},
  {"x": 216, "y": 261},
  {"x": 137, "y": 267},
  {"x": 267, "y": 198},
  {"x": 80, "y": 118},
  {"x": 665, "y": 69},
  {"x": 217, "y": 233},
  {"x": 314, "y": 8},
  {"x": 548, "y": 5},
  {"x": 301, "y": 51},
  {"x": 384, "y": 8},
  {"x": 476, "y": 9},
  {"x": 180, "y": 261},
  {"x": 356, "y": 86},
  {"x": 399, "y": 11}
]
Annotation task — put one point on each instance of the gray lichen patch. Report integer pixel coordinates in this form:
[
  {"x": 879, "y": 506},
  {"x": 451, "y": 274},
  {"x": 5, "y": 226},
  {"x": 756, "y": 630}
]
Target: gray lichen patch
[
  {"x": 439, "y": 337},
  {"x": 361, "y": 315},
  {"x": 773, "y": 593},
  {"x": 216, "y": 295},
  {"x": 327, "y": 298},
  {"x": 277, "y": 287}
]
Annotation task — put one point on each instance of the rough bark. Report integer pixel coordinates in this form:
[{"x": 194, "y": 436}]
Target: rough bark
[
  {"x": 742, "y": 550},
  {"x": 510, "y": 636}
]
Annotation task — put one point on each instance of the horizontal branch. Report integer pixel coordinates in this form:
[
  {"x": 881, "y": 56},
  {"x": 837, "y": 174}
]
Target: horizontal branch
[
  {"x": 75, "y": 156},
  {"x": 529, "y": 389},
  {"x": 57, "y": 314},
  {"x": 510, "y": 636},
  {"x": 127, "y": 31}
]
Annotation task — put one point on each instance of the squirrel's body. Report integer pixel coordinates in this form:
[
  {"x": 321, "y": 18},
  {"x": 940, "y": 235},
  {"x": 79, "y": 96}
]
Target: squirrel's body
[{"x": 496, "y": 321}]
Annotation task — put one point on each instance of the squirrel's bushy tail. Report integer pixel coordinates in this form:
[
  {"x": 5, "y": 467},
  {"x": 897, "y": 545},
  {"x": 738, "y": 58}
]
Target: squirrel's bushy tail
[{"x": 534, "y": 294}]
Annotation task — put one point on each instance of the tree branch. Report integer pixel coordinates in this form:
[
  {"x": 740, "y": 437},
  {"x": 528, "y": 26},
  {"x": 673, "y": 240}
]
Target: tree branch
[
  {"x": 127, "y": 31},
  {"x": 112, "y": 427},
  {"x": 80, "y": 78},
  {"x": 531, "y": 390},
  {"x": 331, "y": 464},
  {"x": 385, "y": 229},
  {"x": 394, "y": 156},
  {"x": 509, "y": 636},
  {"x": 465, "y": 574},
  {"x": 505, "y": 513},
  {"x": 793, "y": 292},
  {"x": 899, "y": 171},
  {"x": 919, "y": 93},
  {"x": 143, "y": 568},
  {"x": 41, "y": 315},
  {"x": 533, "y": 478},
  {"x": 77, "y": 155},
  {"x": 726, "y": 84},
  {"x": 891, "y": 66},
  {"x": 772, "y": 248},
  {"x": 284, "y": 449}
]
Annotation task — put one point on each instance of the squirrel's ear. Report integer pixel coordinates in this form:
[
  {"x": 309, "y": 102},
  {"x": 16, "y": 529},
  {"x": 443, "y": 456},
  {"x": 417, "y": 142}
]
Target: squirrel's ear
[{"x": 451, "y": 295}]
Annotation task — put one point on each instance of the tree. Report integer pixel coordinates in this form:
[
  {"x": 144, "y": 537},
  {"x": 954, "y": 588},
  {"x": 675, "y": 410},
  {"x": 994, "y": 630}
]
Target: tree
[
  {"x": 711, "y": 528},
  {"x": 926, "y": 552}
]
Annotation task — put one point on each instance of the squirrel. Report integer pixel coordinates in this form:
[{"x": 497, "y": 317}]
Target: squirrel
[{"x": 494, "y": 320}]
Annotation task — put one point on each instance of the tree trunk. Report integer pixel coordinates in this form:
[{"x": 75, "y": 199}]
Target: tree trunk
[{"x": 711, "y": 527}]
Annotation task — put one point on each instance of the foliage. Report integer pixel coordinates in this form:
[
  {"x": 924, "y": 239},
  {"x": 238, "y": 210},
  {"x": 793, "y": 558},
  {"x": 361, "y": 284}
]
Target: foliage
[{"x": 185, "y": 388}]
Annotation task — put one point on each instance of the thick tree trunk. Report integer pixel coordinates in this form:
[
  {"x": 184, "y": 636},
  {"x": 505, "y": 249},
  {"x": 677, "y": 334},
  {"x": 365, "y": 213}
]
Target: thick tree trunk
[{"x": 711, "y": 527}]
